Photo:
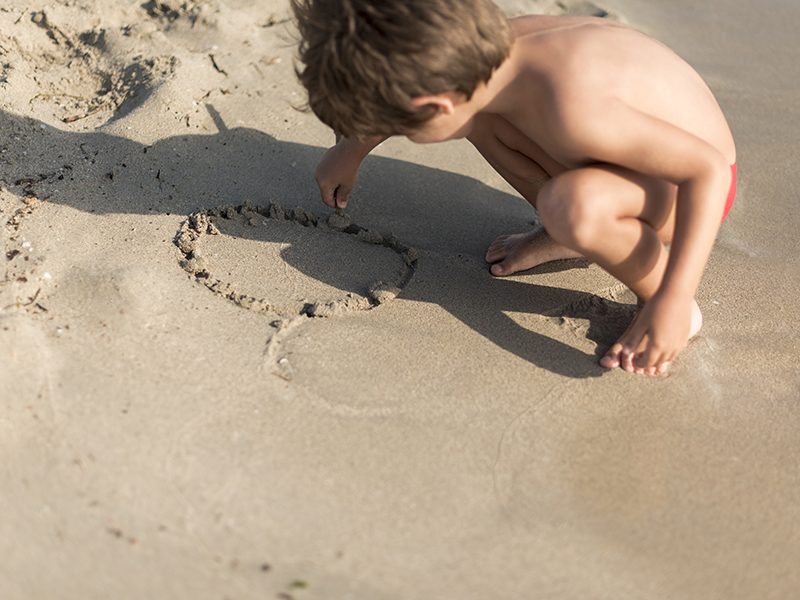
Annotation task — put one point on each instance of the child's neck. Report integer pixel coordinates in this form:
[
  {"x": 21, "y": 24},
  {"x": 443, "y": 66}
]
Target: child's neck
[{"x": 498, "y": 95}]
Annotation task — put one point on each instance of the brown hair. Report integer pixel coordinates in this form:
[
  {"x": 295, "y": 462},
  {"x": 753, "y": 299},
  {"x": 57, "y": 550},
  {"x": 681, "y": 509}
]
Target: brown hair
[{"x": 364, "y": 60}]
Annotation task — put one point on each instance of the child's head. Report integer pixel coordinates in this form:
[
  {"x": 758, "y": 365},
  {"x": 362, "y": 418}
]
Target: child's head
[{"x": 364, "y": 60}]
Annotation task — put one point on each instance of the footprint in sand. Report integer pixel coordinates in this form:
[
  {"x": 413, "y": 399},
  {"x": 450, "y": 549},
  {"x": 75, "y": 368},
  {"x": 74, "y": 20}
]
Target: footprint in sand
[
  {"x": 289, "y": 262},
  {"x": 599, "y": 318},
  {"x": 79, "y": 80},
  {"x": 169, "y": 11}
]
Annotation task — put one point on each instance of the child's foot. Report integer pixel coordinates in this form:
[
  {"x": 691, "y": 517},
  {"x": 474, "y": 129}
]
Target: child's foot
[
  {"x": 614, "y": 358},
  {"x": 510, "y": 254}
]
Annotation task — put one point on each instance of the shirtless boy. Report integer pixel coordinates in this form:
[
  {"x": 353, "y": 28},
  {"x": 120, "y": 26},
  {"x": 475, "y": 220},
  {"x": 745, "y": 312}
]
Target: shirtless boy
[{"x": 637, "y": 152}]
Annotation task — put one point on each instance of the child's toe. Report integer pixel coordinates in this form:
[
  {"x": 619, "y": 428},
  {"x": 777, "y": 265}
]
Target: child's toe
[
  {"x": 498, "y": 269},
  {"x": 611, "y": 358},
  {"x": 626, "y": 361},
  {"x": 497, "y": 251},
  {"x": 494, "y": 254}
]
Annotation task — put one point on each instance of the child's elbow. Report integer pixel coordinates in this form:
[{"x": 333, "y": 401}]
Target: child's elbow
[{"x": 710, "y": 168}]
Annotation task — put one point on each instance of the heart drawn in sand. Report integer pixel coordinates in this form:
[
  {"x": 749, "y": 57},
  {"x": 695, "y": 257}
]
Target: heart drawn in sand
[{"x": 290, "y": 262}]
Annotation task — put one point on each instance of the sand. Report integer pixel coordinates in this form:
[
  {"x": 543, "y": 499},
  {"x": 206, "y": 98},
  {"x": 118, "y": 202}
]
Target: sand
[
  {"x": 212, "y": 386},
  {"x": 294, "y": 236}
]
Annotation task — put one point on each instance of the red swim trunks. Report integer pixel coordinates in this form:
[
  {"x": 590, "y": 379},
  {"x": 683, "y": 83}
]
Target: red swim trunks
[{"x": 731, "y": 193}]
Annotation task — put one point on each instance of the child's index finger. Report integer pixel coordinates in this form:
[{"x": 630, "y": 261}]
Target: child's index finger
[{"x": 337, "y": 202}]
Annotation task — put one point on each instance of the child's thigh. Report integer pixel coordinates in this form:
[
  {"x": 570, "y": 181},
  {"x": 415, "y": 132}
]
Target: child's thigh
[
  {"x": 498, "y": 142},
  {"x": 614, "y": 191}
]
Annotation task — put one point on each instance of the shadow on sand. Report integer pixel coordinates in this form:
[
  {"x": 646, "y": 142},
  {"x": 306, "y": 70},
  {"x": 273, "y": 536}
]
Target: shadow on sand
[{"x": 101, "y": 173}]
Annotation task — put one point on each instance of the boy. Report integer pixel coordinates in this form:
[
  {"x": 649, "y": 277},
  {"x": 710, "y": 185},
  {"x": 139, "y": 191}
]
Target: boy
[{"x": 636, "y": 148}]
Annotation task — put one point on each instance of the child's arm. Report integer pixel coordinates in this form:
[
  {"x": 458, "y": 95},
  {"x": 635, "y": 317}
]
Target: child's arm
[
  {"x": 338, "y": 170},
  {"x": 629, "y": 138}
]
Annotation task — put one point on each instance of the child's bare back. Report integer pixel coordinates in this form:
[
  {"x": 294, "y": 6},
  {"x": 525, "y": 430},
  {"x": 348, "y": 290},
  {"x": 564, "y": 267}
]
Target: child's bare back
[
  {"x": 582, "y": 65},
  {"x": 634, "y": 149}
]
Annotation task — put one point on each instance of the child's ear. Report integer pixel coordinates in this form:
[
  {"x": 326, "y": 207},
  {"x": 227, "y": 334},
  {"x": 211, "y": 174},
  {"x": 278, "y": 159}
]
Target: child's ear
[{"x": 444, "y": 104}]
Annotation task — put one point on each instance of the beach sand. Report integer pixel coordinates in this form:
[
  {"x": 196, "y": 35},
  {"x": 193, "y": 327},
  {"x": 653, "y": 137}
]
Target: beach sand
[{"x": 211, "y": 388}]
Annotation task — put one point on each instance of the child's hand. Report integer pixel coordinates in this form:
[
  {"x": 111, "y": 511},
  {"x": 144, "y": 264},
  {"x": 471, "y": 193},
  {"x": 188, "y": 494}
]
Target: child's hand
[
  {"x": 337, "y": 174},
  {"x": 658, "y": 334}
]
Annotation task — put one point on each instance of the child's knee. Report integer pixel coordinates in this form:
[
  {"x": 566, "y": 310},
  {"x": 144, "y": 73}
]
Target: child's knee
[{"x": 574, "y": 206}]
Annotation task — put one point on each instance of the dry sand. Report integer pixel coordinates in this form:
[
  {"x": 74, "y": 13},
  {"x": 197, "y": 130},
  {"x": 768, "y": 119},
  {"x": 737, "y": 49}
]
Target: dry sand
[{"x": 256, "y": 413}]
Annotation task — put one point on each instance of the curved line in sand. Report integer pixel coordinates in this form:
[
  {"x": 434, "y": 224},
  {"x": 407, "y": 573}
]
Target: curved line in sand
[{"x": 203, "y": 222}]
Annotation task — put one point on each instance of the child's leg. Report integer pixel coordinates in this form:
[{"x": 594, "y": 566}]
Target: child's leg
[
  {"x": 613, "y": 216},
  {"x": 526, "y": 168},
  {"x": 618, "y": 219},
  {"x": 499, "y": 143}
]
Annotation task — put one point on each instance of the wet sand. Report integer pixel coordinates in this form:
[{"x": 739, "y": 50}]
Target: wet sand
[{"x": 211, "y": 386}]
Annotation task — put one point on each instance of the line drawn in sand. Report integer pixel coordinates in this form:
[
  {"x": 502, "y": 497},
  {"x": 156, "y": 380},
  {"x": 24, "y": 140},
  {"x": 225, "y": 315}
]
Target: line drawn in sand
[{"x": 192, "y": 232}]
